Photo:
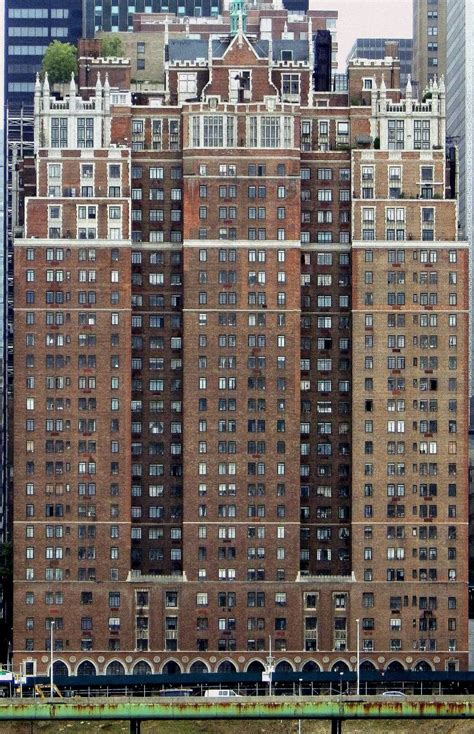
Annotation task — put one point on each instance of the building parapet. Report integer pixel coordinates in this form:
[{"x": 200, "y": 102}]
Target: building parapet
[
  {"x": 302, "y": 578},
  {"x": 115, "y": 60},
  {"x": 422, "y": 244},
  {"x": 155, "y": 578},
  {"x": 387, "y": 61}
]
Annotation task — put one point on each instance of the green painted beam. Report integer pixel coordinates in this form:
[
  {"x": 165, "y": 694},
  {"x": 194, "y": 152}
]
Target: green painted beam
[{"x": 131, "y": 709}]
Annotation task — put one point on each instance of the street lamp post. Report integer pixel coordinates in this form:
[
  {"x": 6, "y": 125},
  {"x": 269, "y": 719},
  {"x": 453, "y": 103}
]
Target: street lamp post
[
  {"x": 51, "y": 673},
  {"x": 300, "y": 681},
  {"x": 270, "y": 666},
  {"x": 358, "y": 656}
]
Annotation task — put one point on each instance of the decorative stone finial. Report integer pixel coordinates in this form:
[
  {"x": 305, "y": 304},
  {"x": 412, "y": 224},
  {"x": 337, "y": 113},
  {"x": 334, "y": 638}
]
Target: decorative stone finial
[{"x": 240, "y": 29}]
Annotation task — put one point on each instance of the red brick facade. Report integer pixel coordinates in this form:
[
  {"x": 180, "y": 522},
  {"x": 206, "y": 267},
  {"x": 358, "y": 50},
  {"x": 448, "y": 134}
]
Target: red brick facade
[{"x": 223, "y": 311}]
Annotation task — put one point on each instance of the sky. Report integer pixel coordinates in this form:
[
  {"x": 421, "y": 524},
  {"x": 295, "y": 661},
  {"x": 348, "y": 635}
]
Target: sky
[{"x": 367, "y": 18}]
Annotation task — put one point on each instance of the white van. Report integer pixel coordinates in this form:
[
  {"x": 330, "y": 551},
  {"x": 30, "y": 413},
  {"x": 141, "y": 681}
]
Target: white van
[{"x": 220, "y": 693}]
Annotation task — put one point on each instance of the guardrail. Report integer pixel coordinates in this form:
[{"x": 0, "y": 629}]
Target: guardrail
[{"x": 341, "y": 708}]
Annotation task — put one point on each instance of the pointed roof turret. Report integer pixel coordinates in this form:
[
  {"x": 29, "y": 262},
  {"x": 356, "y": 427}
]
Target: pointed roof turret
[
  {"x": 72, "y": 85},
  {"x": 209, "y": 51}
]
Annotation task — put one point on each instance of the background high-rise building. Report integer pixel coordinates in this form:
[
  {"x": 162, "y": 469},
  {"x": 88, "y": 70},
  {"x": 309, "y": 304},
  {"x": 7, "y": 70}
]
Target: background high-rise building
[
  {"x": 460, "y": 139},
  {"x": 31, "y": 27},
  {"x": 300, "y": 6},
  {"x": 375, "y": 48},
  {"x": 460, "y": 92},
  {"x": 102, "y": 16},
  {"x": 429, "y": 41}
]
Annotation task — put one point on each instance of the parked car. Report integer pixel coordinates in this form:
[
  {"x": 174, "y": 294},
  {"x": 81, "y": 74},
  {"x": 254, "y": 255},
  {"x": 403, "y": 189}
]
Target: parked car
[
  {"x": 394, "y": 694},
  {"x": 221, "y": 693}
]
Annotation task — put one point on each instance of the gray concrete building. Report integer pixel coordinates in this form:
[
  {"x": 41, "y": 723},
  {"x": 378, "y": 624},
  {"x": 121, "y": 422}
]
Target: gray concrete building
[
  {"x": 429, "y": 40},
  {"x": 101, "y": 15},
  {"x": 374, "y": 48},
  {"x": 459, "y": 73}
]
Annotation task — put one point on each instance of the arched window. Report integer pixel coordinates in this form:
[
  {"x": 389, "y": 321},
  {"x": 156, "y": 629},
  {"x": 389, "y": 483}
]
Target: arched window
[
  {"x": 340, "y": 667},
  {"x": 255, "y": 667},
  {"x": 142, "y": 668},
  {"x": 86, "y": 668},
  {"x": 60, "y": 668},
  {"x": 227, "y": 666},
  {"x": 310, "y": 666},
  {"x": 423, "y": 666},
  {"x": 395, "y": 666},
  {"x": 283, "y": 667},
  {"x": 115, "y": 667},
  {"x": 171, "y": 668},
  {"x": 199, "y": 667}
]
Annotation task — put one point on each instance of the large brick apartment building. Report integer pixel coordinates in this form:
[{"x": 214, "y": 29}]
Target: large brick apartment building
[{"x": 241, "y": 373}]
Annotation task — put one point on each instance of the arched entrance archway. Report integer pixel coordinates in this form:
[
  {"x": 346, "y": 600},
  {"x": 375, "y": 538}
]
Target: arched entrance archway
[
  {"x": 341, "y": 667},
  {"x": 367, "y": 687}
]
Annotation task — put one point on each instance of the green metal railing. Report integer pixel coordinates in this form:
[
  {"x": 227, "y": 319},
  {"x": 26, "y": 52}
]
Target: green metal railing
[{"x": 245, "y": 708}]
